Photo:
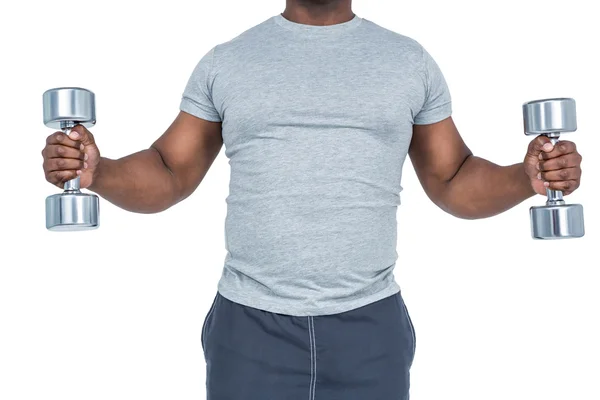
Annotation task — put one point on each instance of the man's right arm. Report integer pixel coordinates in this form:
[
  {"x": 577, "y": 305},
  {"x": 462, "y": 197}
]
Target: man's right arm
[{"x": 148, "y": 181}]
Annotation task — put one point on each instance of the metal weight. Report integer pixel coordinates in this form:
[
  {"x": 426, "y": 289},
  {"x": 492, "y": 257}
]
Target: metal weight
[
  {"x": 72, "y": 210},
  {"x": 555, "y": 219}
]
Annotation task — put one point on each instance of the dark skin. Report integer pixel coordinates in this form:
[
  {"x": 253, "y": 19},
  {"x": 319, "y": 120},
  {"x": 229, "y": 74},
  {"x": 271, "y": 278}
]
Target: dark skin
[
  {"x": 318, "y": 12},
  {"x": 148, "y": 181},
  {"x": 471, "y": 187},
  {"x": 171, "y": 169}
]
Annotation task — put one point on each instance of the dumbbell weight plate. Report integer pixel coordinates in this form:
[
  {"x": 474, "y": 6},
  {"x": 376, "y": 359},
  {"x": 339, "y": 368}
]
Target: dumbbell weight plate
[
  {"x": 69, "y": 105},
  {"x": 72, "y": 212},
  {"x": 550, "y": 116},
  {"x": 557, "y": 221}
]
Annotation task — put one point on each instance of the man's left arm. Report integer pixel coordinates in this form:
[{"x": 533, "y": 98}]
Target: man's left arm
[{"x": 471, "y": 187}]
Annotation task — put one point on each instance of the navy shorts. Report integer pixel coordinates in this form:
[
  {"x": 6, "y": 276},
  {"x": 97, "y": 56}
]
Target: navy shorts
[{"x": 362, "y": 354}]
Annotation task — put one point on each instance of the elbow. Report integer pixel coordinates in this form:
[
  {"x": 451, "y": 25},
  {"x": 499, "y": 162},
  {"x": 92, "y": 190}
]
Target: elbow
[
  {"x": 468, "y": 215},
  {"x": 159, "y": 204},
  {"x": 460, "y": 211},
  {"x": 448, "y": 200},
  {"x": 460, "y": 207},
  {"x": 468, "y": 211},
  {"x": 149, "y": 208}
]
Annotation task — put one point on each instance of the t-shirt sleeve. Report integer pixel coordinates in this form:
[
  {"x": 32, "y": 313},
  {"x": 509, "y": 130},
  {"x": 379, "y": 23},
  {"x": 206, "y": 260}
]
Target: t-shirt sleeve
[
  {"x": 438, "y": 103},
  {"x": 197, "y": 98}
]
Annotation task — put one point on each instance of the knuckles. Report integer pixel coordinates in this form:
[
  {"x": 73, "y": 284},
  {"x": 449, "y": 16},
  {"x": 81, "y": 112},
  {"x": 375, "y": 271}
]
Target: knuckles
[
  {"x": 537, "y": 143},
  {"x": 52, "y": 177},
  {"x": 61, "y": 176},
  {"x": 563, "y": 147}
]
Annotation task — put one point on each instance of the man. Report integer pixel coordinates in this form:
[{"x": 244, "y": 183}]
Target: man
[{"x": 318, "y": 109}]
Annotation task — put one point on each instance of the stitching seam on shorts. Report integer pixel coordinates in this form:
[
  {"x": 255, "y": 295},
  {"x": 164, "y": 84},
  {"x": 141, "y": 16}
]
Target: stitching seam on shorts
[
  {"x": 312, "y": 322},
  {"x": 313, "y": 359}
]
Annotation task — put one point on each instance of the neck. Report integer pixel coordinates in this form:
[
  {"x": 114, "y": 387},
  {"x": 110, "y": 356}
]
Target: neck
[{"x": 318, "y": 12}]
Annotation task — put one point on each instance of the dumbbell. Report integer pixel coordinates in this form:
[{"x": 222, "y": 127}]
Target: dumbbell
[
  {"x": 556, "y": 219},
  {"x": 72, "y": 210}
]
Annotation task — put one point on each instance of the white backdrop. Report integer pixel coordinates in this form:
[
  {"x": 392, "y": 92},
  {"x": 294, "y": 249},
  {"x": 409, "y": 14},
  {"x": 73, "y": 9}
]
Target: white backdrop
[{"x": 117, "y": 313}]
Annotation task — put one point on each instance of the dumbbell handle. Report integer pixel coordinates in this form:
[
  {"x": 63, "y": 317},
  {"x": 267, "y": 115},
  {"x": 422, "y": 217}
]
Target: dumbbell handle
[
  {"x": 74, "y": 184},
  {"x": 554, "y": 196}
]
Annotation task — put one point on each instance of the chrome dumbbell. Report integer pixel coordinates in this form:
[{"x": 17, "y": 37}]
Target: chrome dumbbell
[
  {"x": 72, "y": 210},
  {"x": 556, "y": 219}
]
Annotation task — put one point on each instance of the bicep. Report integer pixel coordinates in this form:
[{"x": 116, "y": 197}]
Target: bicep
[
  {"x": 188, "y": 148},
  {"x": 437, "y": 151}
]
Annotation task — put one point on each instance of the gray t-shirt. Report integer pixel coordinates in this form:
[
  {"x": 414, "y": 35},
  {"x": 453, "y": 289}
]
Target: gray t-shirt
[{"x": 317, "y": 121}]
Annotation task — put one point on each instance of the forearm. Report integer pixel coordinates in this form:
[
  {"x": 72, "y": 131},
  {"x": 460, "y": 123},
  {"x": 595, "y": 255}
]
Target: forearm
[
  {"x": 140, "y": 182},
  {"x": 482, "y": 189}
]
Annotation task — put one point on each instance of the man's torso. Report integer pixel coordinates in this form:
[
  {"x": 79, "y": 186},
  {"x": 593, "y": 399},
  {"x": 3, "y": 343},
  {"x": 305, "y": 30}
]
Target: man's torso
[{"x": 316, "y": 127}]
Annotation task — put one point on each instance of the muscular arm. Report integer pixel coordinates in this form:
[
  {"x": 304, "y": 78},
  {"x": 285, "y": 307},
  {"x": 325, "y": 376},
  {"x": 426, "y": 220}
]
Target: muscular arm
[
  {"x": 157, "y": 178},
  {"x": 460, "y": 183}
]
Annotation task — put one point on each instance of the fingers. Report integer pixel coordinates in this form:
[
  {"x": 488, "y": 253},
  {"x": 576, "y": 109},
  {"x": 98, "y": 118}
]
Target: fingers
[
  {"x": 60, "y": 138},
  {"x": 64, "y": 158},
  {"x": 562, "y": 172},
  {"x": 81, "y": 134},
  {"x": 63, "y": 164},
  {"x": 58, "y": 178},
  {"x": 541, "y": 144},
  {"x": 559, "y": 149},
  {"x": 77, "y": 138},
  {"x": 559, "y": 165},
  {"x": 59, "y": 151},
  {"x": 564, "y": 186},
  {"x": 566, "y": 174},
  {"x": 570, "y": 160}
]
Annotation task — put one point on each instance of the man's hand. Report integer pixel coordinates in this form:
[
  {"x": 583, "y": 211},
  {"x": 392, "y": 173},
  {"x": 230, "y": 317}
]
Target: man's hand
[
  {"x": 556, "y": 167},
  {"x": 66, "y": 157}
]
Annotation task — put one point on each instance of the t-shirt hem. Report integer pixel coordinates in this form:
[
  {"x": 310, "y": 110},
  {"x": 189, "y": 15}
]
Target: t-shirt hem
[
  {"x": 189, "y": 107},
  {"x": 286, "y": 309},
  {"x": 434, "y": 116}
]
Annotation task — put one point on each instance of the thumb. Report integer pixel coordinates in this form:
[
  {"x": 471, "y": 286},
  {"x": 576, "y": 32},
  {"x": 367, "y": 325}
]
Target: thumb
[
  {"x": 81, "y": 134},
  {"x": 539, "y": 145}
]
